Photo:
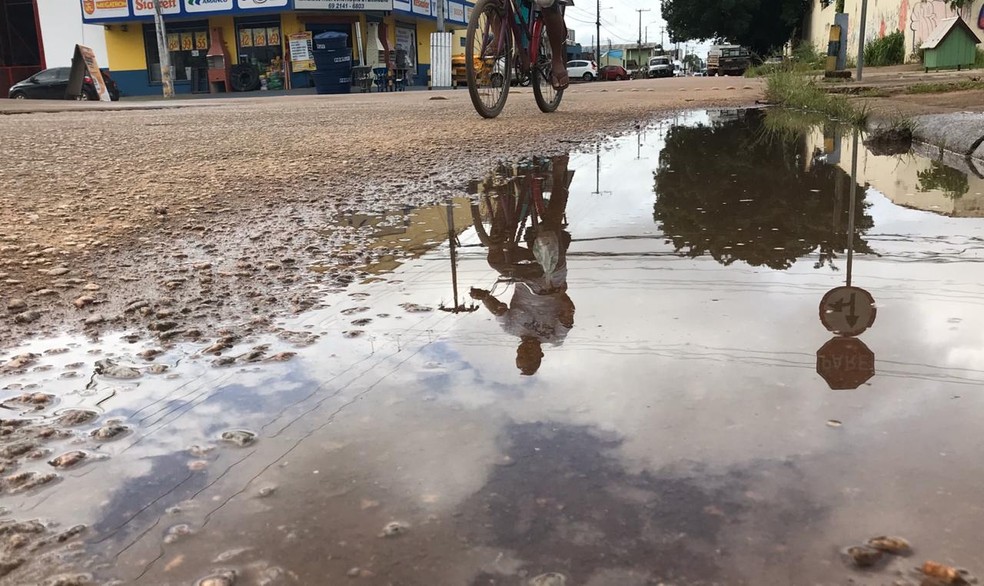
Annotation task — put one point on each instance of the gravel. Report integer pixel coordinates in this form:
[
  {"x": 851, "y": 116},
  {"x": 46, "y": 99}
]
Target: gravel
[{"x": 219, "y": 209}]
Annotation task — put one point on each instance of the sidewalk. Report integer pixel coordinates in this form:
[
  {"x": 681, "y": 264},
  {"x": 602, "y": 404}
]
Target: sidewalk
[{"x": 196, "y": 100}]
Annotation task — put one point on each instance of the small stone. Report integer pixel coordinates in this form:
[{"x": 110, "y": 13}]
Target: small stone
[
  {"x": 353, "y": 573},
  {"x": 57, "y": 272},
  {"x": 73, "y": 417},
  {"x": 91, "y": 287},
  {"x": 149, "y": 354},
  {"x": 239, "y": 437},
  {"x": 224, "y": 578},
  {"x": 27, "y": 317},
  {"x": 394, "y": 529},
  {"x": 19, "y": 362},
  {"x": 110, "y": 369},
  {"x": 94, "y": 320},
  {"x": 23, "y": 481},
  {"x": 84, "y": 301},
  {"x": 110, "y": 431},
  {"x": 69, "y": 459},
  {"x": 178, "y": 532},
  {"x": 157, "y": 368},
  {"x": 16, "y": 305},
  {"x": 891, "y": 544},
  {"x": 863, "y": 556},
  {"x": 266, "y": 491},
  {"x": 548, "y": 579}
]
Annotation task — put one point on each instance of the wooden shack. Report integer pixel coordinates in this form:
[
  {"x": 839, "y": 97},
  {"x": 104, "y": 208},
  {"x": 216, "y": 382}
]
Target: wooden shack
[{"x": 952, "y": 45}]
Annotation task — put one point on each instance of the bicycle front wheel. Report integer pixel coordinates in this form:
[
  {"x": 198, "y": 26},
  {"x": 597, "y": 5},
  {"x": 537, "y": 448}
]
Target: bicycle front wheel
[
  {"x": 488, "y": 51},
  {"x": 547, "y": 98}
]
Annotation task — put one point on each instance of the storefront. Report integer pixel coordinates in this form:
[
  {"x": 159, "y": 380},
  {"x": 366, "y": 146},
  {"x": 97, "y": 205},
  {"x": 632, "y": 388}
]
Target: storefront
[{"x": 257, "y": 33}]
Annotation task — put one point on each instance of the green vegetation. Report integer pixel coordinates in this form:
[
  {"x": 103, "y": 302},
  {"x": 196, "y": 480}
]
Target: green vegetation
[
  {"x": 805, "y": 59},
  {"x": 793, "y": 90},
  {"x": 943, "y": 87},
  {"x": 939, "y": 177},
  {"x": 979, "y": 61},
  {"x": 760, "y": 25},
  {"x": 888, "y": 50}
]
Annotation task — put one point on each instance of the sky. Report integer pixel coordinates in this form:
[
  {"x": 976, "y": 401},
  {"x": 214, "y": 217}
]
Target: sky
[{"x": 620, "y": 22}]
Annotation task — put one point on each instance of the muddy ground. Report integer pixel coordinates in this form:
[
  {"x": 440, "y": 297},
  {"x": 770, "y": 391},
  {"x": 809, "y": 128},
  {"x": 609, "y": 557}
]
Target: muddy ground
[{"x": 212, "y": 215}]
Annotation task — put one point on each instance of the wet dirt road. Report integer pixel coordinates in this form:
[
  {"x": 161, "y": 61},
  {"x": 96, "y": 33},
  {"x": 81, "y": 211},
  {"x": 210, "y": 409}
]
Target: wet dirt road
[{"x": 629, "y": 393}]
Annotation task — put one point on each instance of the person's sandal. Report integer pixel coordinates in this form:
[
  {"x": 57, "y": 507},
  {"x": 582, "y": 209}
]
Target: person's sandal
[{"x": 559, "y": 83}]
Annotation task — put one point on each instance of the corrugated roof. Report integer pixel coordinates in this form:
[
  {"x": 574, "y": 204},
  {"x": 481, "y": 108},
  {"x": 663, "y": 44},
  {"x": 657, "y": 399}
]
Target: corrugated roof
[{"x": 946, "y": 26}]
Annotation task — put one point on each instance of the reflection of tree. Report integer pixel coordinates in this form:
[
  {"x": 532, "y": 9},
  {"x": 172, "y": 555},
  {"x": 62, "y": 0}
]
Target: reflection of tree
[
  {"x": 939, "y": 177},
  {"x": 723, "y": 191}
]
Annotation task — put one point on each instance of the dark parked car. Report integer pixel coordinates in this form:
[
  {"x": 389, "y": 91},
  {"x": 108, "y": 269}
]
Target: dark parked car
[
  {"x": 52, "y": 84},
  {"x": 613, "y": 73}
]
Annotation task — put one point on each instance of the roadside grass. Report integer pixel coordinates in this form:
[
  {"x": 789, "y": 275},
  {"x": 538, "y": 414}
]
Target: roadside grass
[{"x": 793, "y": 90}]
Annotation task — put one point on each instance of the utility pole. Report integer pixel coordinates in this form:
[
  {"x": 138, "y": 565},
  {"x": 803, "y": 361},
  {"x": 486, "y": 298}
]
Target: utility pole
[
  {"x": 640, "y": 11},
  {"x": 608, "y": 56},
  {"x": 861, "y": 26},
  {"x": 165, "y": 57},
  {"x": 598, "y": 34},
  {"x": 440, "y": 24}
]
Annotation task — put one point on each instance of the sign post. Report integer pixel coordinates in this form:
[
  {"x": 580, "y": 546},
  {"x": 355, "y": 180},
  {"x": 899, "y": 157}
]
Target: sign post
[
  {"x": 845, "y": 363},
  {"x": 847, "y": 311},
  {"x": 84, "y": 62}
]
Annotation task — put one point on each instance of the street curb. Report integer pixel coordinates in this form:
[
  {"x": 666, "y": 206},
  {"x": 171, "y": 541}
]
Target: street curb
[{"x": 960, "y": 133}]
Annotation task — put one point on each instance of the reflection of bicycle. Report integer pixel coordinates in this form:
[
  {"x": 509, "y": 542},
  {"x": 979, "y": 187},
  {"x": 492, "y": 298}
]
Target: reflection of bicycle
[{"x": 495, "y": 26}]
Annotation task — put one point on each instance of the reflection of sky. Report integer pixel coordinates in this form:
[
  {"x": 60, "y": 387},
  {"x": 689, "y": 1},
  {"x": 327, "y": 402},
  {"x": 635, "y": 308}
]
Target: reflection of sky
[{"x": 686, "y": 362}]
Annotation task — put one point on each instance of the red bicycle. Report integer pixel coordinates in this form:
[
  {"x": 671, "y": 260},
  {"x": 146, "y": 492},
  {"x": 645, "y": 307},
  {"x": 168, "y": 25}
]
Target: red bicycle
[{"x": 502, "y": 38}]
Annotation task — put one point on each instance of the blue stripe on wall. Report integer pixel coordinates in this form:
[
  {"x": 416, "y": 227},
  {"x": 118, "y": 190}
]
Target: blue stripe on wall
[{"x": 136, "y": 83}]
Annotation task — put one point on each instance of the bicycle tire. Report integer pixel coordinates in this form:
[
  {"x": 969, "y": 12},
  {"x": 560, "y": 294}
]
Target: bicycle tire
[
  {"x": 547, "y": 98},
  {"x": 491, "y": 10}
]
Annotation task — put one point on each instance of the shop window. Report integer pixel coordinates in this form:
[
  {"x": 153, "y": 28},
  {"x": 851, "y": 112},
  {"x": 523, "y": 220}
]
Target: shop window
[
  {"x": 259, "y": 43},
  {"x": 187, "y": 44}
]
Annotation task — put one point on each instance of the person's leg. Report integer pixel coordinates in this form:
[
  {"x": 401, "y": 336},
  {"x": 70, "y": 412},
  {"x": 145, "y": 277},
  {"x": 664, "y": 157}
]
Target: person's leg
[{"x": 553, "y": 18}]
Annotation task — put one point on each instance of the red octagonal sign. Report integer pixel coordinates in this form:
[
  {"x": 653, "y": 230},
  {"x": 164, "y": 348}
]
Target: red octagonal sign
[{"x": 845, "y": 363}]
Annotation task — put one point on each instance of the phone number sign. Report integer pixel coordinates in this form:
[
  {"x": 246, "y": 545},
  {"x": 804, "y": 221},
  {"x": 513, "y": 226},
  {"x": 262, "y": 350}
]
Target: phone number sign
[{"x": 383, "y": 5}]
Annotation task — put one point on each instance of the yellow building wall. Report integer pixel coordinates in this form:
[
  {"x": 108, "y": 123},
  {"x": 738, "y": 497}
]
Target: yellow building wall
[
  {"x": 424, "y": 30},
  {"x": 126, "y": 47},
  {"x": 228, "y": 26}
]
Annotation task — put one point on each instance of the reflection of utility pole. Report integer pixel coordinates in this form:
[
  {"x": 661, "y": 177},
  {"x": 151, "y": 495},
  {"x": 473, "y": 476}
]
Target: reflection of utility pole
[
  {"x": 453, "y": 244},
  {"x": 850, "y": 207},
  {"x": 598, "y": 190},
  {"x": 165, "y": 57}
]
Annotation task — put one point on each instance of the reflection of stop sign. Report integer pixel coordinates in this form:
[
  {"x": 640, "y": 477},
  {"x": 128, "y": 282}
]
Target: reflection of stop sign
[{"x": 845, "y": 363}]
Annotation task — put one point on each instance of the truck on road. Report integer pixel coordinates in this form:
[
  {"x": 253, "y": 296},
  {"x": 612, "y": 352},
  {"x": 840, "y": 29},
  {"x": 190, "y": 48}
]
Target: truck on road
[{"x": 728, "y": 60}]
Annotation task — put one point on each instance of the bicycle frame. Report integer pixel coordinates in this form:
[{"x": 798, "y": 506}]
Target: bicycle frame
[{"x": 525, "y": 32}]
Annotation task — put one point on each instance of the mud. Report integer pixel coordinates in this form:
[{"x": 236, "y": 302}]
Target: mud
[
  {"x": 598, "y": 368},
  {"x": 224, "y": 214}
]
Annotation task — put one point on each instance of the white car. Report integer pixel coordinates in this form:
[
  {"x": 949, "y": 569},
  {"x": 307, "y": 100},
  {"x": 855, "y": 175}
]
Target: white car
[{"x": 580, "y": 69}]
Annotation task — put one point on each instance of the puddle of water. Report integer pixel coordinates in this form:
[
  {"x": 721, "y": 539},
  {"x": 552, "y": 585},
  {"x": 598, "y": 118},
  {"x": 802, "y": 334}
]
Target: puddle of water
[{"x": 628, "y": 394}]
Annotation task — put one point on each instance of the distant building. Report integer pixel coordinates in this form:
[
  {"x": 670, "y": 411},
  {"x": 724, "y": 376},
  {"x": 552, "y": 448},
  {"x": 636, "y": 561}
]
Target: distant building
[
  {"x": 36, "y": 34},
  {"x": 257, "y": 32},
  {"x": 917, "y": 19}
]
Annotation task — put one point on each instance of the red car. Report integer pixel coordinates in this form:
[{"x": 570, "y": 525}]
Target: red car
[{"x": 613, "y": 73}]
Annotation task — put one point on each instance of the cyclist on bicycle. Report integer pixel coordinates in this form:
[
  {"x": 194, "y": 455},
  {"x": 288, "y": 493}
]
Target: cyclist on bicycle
[{"x": 553, "y": 18}]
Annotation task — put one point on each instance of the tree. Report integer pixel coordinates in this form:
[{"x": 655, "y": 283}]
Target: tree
[
  {"x": 692, "y": 62},
  {"x": 728, "y": 191},
  {"x": 761, "y": 25}
]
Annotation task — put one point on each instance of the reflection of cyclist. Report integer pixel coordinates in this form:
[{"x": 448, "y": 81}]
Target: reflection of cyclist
[
  {"x": 540, "y": 310},
  {"x": 553, "y": 18}
]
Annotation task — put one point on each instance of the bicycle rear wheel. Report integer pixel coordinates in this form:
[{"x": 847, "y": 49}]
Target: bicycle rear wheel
[
  {"x": 488, "y": 57},
  {"x": 547, "y": 98}
]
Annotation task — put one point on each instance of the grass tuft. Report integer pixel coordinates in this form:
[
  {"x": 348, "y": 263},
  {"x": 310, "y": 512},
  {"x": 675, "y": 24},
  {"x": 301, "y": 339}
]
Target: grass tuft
[{"x": 793, "y": 90}]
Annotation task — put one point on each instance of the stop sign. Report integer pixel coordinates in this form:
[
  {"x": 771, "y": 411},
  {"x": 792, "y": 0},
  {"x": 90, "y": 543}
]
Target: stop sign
[{"x": 845, "y": 363}]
